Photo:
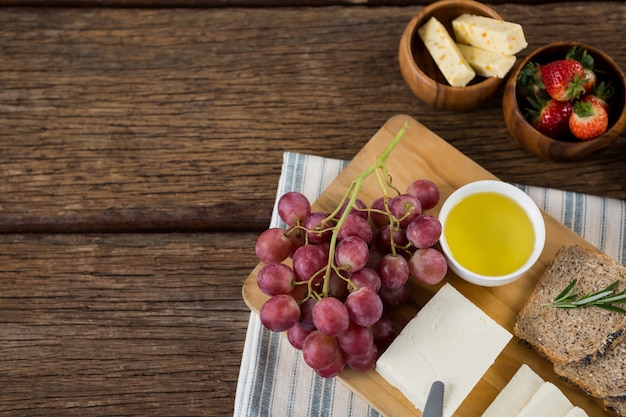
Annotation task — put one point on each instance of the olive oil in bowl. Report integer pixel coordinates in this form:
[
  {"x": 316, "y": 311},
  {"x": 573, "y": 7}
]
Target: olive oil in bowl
[
  {"x": 492, "y": 232},
  {"x": 489, "y": 234}
]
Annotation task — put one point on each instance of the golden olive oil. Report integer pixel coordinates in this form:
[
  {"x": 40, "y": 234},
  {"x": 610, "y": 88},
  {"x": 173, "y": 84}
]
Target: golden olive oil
[{"x": 489, "y": 234}]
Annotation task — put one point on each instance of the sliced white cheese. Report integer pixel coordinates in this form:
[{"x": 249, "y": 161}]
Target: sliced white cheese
[
  {"x": 451, "y": 340},
  {"x": 577, "y": 412},
  {"x": 490, "y": 34},
  {"x": 487, "y": 63},
  {"x": 548, "y": 401},
  {"x": 445, "y": 53},
  {"x": 516, "y": 394}
]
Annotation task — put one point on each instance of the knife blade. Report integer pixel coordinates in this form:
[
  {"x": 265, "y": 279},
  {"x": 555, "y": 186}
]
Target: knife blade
[{"x": 434, "y": 402}]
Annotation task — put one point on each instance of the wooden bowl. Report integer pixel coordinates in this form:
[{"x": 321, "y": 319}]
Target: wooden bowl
[
  {"x": 420, "y": 71},
  {"x": 569, "y": 149}
]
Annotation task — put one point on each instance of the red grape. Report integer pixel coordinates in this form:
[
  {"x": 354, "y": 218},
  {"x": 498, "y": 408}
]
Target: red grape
[
  {"x": 405, "y": 207},
  {"x": 364, "y": 306},
  {"x": 319, "y": 228},
  {"x": 330, "y": 316},
  {"x": 375, "y": 256},
  {"x": 356, "y": 226},
  {"x": 424, "y": 231},
  {"x": 428, "y": 266},
  {"x": 395, "y": 297},
  {"x": 308, "y": 260},
  {"x": 356, "y": 340},
  {"x": 378, "y": 219},
  {"x": 273, "y": 246},
  {"x": 393, "y": 270},
  {"x": 297, "y": 237},
  {"x": 366, "y": 277},
  {"x": 338, "y": 286},
  {"x": 306, "y": 314},
  {"x": 363, "y": 362},
  {"x": 333, "y": 369},
  {"x": 296, "y": 335},
  {"x": 293, "y": 208},
  {"x": 320, "y": 351},
  {"x": 279, "y": 313},
  {"x": 352, "y": 253},
  {"x": 299, "y": 292},
  {"x": 384, "y": 332},
  {"x": 426, "y": 192},
  {"x": 359, "y": 210},
  {"x": 383, "y": 238},
  {"x": 276, "y": 278}
]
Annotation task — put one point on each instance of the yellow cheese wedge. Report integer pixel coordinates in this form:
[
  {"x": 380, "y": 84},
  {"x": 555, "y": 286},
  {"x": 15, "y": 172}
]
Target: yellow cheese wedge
[
  {"x": 487, "y": 63},
  {"x": 490, "y": 34},
  {"x": 446, "y": 54}
]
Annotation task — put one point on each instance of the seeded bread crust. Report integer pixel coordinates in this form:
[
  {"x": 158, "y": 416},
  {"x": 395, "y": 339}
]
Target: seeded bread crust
[
  {"x": 603, "y": 378},
  {"x": 616, "y": 406},
  {"x": 579, "y": 335}
]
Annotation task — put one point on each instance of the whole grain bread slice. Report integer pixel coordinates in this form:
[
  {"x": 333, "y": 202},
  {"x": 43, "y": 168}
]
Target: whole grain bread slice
[
  {"x": 603, "y": 378},
  {"x": 616, "y": 406},
  {"x": 579, "y": 335}
]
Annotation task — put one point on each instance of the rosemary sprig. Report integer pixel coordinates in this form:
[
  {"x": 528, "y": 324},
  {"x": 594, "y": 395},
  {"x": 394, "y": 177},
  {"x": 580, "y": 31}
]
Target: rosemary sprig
[{"x": 605, "y": 298}]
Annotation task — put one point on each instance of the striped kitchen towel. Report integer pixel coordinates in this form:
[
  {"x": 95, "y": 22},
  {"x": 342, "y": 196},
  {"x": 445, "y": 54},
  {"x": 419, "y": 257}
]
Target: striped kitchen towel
[{"x": 275, "y": 381}]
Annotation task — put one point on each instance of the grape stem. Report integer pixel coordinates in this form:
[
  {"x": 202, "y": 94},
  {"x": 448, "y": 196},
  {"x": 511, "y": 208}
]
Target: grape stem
[{"x": 380, "y": 166}]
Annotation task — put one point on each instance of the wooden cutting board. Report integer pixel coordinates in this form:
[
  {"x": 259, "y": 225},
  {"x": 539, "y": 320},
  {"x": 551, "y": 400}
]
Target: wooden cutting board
[{"x": 422, "y": 154}]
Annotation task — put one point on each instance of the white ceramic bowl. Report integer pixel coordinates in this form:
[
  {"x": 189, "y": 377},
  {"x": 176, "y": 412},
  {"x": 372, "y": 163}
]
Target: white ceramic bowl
[{"x": 518, "y": 196}]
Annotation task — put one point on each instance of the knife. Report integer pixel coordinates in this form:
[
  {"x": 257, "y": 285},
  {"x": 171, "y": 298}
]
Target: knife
[{"x": 434, "y": 403}]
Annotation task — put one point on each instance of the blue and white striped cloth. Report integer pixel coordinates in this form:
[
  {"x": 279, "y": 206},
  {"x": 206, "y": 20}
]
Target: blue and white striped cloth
[{"x": 275, "y": 381}]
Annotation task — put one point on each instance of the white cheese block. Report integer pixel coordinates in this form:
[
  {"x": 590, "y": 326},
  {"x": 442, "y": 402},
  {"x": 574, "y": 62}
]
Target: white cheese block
[
  {"x": 490, "y": 34},
  {"x": 487, "y": 63},
  {"x": 451, "y": 340},
  {"x": 548, "y": 401},
  {"x": 577, "y": 412},
  {"x": 445, "y": 53},
  {"x": 516, "y": 394}
]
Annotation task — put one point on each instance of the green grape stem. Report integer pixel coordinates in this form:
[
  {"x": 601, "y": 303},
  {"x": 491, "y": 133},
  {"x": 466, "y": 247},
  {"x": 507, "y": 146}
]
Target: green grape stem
[{"x": 380, "y": 166}]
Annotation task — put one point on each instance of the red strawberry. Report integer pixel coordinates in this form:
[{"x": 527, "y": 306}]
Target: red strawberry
[
  {"x": 550, "y": 117},
  {"x": 563, "y": 79},
  {"x": 529, "y": 82},
  {"x": 588, "y": 120},
  {"x": 589, "y": 80},
  {"x": 600, "y": 95},
  {"x": 581, "y": 55}
]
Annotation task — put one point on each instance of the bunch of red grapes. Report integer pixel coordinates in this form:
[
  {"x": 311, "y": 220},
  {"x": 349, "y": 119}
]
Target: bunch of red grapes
[{"x": 347, "y": 269}]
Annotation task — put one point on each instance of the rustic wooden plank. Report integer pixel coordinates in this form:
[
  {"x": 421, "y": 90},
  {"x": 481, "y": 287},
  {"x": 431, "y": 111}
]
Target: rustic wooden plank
[
  {"x": 122, "y": 324},
  {"x": 233, "y": 3},
  {"x": 141, "y": 119}
]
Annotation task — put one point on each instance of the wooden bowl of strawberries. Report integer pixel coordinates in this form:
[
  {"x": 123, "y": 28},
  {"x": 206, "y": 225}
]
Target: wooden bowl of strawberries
[{"x": 565, "y": 101}]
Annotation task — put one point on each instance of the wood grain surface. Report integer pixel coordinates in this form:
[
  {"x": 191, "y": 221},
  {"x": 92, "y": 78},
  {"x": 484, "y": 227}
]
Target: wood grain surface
[
  {"x": 121, "y": 324},
  {"x": 140, "y": 147},
  {"x": 135, "y": 119}
]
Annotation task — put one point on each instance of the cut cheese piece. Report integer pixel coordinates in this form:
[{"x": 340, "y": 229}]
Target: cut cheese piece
[
  {"x": 490, "y": 34},
  {"x": 451, "y": 340},
  {"x": 548, "y": 401},
  {"x": 516, "y": 394},
  {"x": 487, "y": 63},
  {"x": 577, "y": 412},
  {"x": 445, "y": 53}
]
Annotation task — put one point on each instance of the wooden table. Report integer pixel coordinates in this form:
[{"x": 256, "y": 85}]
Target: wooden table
[{"x": 140, "y": 147}]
